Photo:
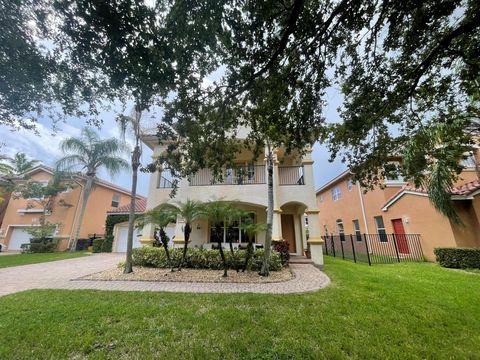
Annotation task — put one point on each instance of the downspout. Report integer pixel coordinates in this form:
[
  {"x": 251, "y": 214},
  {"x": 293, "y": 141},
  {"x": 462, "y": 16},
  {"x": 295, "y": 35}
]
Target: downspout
[{"x": 362, "y": 205}]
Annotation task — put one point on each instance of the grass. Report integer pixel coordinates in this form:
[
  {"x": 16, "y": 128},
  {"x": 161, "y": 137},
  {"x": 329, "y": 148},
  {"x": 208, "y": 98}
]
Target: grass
[
  {"x": 25, "y": 259},
  {"x": 400, "y": 311}
]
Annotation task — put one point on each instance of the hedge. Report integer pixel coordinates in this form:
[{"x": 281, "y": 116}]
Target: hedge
[
  {"x": 97, "y": 245},
  {"x": 202, "y": 258},
  {"x": 113, "y": 219},
  {"x": 458, "y": 258}
]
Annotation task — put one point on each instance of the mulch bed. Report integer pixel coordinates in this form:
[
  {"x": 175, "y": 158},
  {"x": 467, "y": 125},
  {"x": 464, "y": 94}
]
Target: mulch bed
[{"x": 189, "y": 275}]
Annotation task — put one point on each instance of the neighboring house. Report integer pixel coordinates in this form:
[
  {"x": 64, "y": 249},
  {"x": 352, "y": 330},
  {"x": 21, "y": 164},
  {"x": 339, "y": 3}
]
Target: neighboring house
[
  {"x": 399, "y": 208},
  {"x": 120, "y": 229},
  {"x": 245, "y": 186},
  {"x": 20, "y": 213}
]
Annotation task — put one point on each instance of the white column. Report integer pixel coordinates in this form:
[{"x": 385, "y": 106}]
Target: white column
[
  {"x": 314, "y": 239},
  {"x": 277, "y": 225}
]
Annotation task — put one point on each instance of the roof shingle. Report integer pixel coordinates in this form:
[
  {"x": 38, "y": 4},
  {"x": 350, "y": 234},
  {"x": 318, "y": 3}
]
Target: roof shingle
[{"x": 140, "y": 207}]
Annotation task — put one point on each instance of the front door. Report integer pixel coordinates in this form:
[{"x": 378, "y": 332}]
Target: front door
[
  {"x": 402, "y": 242},
  {"x": 288, "y": 231}
]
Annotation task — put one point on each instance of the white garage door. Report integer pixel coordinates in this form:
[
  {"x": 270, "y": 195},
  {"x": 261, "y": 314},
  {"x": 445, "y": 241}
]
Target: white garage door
[
  {"x": 122, "y": 239},
  {"x": 19, "y": 237}
]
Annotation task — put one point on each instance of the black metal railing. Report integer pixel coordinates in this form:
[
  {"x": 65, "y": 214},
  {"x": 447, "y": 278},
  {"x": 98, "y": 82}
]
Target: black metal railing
[
  {"x": 375, "y": 248},
  {"x": 291, "y": 175},
  {"x": 239, "y": 175},
  {"x": 164, "y": 183}
]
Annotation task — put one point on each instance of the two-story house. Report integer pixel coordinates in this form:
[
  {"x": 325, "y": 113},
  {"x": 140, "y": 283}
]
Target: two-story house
[
  {"x": 245, "y": 185},
  {"x": 22, "y": 213},
  {"x": 401, "y": 209}
]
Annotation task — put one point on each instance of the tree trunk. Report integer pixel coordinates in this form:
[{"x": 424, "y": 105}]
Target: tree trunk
[
  {"x": 131, "y": 217},
  {"x": 164, "y": 241},
  {"x": 186, "y": 235},
  {"x": 220, "y": 249},
  {"x": 232, "y": 252},
  {"x": 249, "y": 254},
  {"x": 268, "y": 235},
  {"x": 86, "y": 194}
]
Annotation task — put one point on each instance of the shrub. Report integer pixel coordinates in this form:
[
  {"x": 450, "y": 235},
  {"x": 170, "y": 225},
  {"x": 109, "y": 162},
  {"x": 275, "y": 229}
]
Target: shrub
[
  {"x": 97, "y": 245},
  {"x": 107, "y": 243},
  {"x": 202, "y": 258},
  {"x": 459, "y": 258},
  {"x": 282, "y": 248},
  {"x": 41, "y": 246}
]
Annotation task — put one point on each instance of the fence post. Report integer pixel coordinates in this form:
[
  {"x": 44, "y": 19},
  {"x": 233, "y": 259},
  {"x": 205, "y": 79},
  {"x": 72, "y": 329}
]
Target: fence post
[
  {"x": 325, "y": 239},
  {"x": 341, "y": 246},
  {"x": 396, "y": 248},
  {"x": 333, "y": 246},
  {"x": 368, "y": 251},
  {"x": 353, "y": 249}
]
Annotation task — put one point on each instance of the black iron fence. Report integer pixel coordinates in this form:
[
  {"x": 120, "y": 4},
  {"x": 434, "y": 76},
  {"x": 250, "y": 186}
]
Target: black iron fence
[{"x": 375, "y": 248}]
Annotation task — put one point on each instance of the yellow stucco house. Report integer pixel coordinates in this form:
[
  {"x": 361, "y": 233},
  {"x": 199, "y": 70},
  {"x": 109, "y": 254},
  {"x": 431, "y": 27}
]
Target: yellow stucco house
[{"x": 245, "y": 185}]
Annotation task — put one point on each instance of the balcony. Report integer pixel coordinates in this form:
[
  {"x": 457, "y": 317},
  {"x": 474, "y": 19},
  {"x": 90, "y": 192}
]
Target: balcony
[
  {"x": 291, "y": 175},
  {"x": 239, "y": 175}
]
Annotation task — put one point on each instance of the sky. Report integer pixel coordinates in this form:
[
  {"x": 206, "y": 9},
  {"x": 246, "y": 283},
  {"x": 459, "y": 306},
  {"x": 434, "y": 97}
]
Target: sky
[{"x": 45, "y": 146}]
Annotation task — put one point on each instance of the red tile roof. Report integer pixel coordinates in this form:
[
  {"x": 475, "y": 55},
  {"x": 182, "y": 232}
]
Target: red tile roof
[
  {"x": 140, "y": 206},
  {"x": 466, "y": 188},
  {"x": 462, "y": 190}
]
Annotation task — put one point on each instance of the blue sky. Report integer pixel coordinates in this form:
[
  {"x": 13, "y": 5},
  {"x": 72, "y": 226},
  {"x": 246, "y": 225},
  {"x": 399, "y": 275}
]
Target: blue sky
[{"x": 45, "y": 145}]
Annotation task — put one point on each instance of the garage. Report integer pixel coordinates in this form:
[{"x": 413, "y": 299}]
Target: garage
[
  {"x": 19, "y": 236},
  {"x": 121, "y": 239}
]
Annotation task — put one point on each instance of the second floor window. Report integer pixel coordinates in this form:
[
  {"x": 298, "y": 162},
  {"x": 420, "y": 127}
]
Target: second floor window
[
  {"x": 336, "y": 193},
  {"x": 469, "y": 162},
  {"x": 349, "y": 185},
  {"x": 381, "y": 228},
  {"x": 115, "y": 200}
]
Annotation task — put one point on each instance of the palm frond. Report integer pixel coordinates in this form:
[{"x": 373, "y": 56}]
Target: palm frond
[
  {"x": 71, "y": 162},
  {"x": 113, "y": 164},
  {"x": 440, "y": 184},
  {"x": 190, "y": 210}
]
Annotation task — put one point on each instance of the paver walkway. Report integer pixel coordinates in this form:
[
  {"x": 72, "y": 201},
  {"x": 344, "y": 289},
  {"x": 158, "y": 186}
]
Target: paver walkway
[{"x": 62, "y": 274}]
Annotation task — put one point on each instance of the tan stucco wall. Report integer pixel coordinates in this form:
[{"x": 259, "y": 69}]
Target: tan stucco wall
[
  {"x": 416, "y": 212},
  {"x": 94, "y": 222}
]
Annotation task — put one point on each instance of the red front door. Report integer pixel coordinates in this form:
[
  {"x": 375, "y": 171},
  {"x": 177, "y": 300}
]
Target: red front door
[{"x": 402, "y": 242}]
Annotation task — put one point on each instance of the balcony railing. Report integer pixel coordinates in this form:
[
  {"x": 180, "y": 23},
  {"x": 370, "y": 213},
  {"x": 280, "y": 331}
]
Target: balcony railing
[
  {"x": 291, "y": 175},
  {"x": 240, "y": 175},
  {"x": 164, "y": 183}
]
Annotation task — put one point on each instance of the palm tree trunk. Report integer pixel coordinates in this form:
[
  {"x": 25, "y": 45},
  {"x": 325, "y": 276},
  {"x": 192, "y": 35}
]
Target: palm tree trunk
[
  {"x": 164, "y": 241},
  {"x": 186, "y": 235},
  {"x": 264, "y": 271},
  {"x": 131, "y": 217},
  {"x": 86, "y": 194},
  {"x": 249, "y": 254},
  {"x": 220, "y": 249}
]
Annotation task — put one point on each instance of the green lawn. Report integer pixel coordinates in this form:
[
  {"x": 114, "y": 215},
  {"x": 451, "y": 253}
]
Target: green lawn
[
  {"x": 398, "y": 311},
  {"x": 25, "y": 259}
]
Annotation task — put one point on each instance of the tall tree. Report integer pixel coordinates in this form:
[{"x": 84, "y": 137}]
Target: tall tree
[
  {"x": 88, "y": 154},
  {"x": 132, "y": 123}
]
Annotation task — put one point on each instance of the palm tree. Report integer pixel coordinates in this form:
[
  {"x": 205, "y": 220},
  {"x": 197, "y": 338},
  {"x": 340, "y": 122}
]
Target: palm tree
[
  {"x": 216, "y": 212},
  {"x": 16, "y": 165},
  {"x": 190, "y": 211},
  {"x": 251, "y": 229},
  {"x": 133, "y": 122},
  {"x": 88, "y": 153},
  {"x": 161, "y": 216}
]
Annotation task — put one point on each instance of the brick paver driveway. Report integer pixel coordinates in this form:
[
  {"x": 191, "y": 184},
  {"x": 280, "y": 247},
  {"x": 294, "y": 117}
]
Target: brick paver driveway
[
  {"x": 62, "y": 274},
  {"x": 54, "y": 274}
]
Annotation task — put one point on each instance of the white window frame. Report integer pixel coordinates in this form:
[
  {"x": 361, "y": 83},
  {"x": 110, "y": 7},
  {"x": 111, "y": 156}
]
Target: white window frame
[
  {"x": 117, "y": 201},
  {"x": 340, "y": 229},
  {"x": 336, "y": 193},
  {"x": 349, "y": 185},
  {"x": 380, "y": 230}
]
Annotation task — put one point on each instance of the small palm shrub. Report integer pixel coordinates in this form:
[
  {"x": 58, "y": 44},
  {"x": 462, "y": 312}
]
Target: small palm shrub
[{"x": 202, "y": 258}]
